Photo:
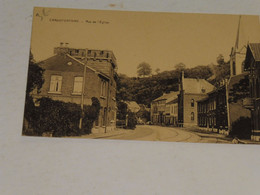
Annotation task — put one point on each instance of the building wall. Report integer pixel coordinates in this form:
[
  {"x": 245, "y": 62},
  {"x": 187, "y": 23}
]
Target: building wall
[
  {"x": 255, "y": 95},
  {"x": 212, "y": 111},
  {"x": 67, "y": 95},
  {"x": 93, "y": 84},
  {"x": 188, "y": 109}
]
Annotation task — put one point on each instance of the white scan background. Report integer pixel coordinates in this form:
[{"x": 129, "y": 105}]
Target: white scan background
[{"x": 30, "y": 165}]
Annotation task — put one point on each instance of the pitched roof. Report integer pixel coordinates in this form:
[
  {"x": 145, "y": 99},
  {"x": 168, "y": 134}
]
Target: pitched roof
[
  {"x": 203, "y": 99},
  {"x": 255, "y": 49},
  {"x": 196, "y": 86},
  {"x": 133, "y": 106},
  {"x": 175, "y": 100},
  {"x": 166, "y": 96},
  {"x": 66, "y": 63}
]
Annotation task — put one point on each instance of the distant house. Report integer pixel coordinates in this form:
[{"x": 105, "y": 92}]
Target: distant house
[
  {"x": 72, "y": 71},
  {"x": 143, "y": 115},
  {"x": 160, "y": 112},
  {"x": 191, "y": 91},
  {"x": 172, "y": 111},
  {"x": 252, "y": 64},
  {"x": 132, "y": 106}
]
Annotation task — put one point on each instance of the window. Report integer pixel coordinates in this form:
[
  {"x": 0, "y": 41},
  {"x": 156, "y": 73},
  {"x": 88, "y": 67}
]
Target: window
[
  {"x": 55, "y": 84},
  {"x": 103, "y": 88},
  {"x": 192, "y": 116},
  {"x": 77, "y": 88},
  {"x": 192, "y": 102}
]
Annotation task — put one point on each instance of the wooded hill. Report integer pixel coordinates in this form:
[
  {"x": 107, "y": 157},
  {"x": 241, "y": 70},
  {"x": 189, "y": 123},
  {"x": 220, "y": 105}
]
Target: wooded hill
[{"x": 144, "y": 90}]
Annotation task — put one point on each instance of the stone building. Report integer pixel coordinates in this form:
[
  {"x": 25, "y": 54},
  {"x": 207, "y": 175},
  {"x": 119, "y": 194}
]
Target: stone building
[{"x": 72, "y": 71}]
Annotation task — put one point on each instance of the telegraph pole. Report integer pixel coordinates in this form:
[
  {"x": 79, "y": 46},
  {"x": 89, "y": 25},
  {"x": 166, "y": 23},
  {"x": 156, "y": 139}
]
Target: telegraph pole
[{"x": 82, "y": 96}]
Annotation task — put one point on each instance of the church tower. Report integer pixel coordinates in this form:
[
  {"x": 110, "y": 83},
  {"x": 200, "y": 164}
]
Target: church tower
[{"x": 238, "y": 52}]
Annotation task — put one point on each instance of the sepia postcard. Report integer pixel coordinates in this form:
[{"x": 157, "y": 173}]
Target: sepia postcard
[{"x": 175, "y": 77}]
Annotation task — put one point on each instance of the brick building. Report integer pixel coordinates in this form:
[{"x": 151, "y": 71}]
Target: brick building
[
  {"x": 191, "y": 90},
  {"x": 64, "y": 80}
]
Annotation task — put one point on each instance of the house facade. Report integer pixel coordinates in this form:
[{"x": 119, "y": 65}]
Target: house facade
[
  {"x": 212, "y": 111},
  {"x": 191, "y": 91},
  {"x": 160, "y": 111},
  {"x": 252, "y": 64},
  {"x": 76, "y": 75},
  {"x": 172, "y": 112}
]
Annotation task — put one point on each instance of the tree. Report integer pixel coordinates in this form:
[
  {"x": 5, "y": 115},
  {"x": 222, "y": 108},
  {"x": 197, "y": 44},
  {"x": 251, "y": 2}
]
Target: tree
[
  {"x": 121, "y": 110},
  {"x": 180, "y": 66},
  {"x": 34, "y": 77},
  {"x": 220, "y": 59},
  {"x": 157, "y": 70},
  {"x": 144, "y": 69},
  {"x": 221, "y": 70},
  {"x": 240, "y": 90},
  {"x": 34, "y": 81}
]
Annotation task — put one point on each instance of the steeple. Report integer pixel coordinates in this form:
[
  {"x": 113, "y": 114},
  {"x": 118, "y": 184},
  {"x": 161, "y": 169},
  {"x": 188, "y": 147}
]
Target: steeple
[{"x": 237, "y": 55}]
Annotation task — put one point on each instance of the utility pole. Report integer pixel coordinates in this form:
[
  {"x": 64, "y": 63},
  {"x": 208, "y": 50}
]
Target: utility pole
[
  {"x": 82, "y": 96},
  {"x": 107, "y": 89},
  {"x": 227, "y": 103}
]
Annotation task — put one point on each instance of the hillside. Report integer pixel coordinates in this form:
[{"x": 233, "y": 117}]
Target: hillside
[{"x": 144, "y": 90}]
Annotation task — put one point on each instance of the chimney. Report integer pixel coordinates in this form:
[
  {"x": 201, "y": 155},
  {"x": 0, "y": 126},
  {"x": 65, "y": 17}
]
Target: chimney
[
  {"x": 61, "y": 44},
  {"x": 181, "y": 81},
  {"x": 66, "y": 44}
]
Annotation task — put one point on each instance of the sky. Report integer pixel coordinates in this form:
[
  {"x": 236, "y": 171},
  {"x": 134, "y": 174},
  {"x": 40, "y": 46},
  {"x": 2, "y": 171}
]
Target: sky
[{"x": 160, "y": 39}]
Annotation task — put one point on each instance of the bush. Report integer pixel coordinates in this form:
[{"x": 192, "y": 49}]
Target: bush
[
  {"x": 91, "y": 114},
  {"x": 132, "y": 121},
  {"x": 241, "y": 128},
  {"x": 60, "y": 118}
]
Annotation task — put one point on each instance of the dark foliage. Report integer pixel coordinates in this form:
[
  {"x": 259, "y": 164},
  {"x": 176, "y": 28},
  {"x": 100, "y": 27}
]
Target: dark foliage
[
  {"x": 144, "y": 90},
  {"x": 240, "y": 90},
  {"x": 143, "y": 114},
  {"x": 132, "y": 121},
  {"x": 62, "y": 119},
  {"x": 56, "y": 117},
  {"x": 35, "y": 78},
  {"x": 91, "y": 114},
  {"x": 121, "y": 110},
  {"x": 241, "y": 128},
  {"x": 34, "y": 81}
]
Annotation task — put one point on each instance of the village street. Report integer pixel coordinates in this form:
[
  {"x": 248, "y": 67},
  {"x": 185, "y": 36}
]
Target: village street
[{"x": 159, "y": 133}]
